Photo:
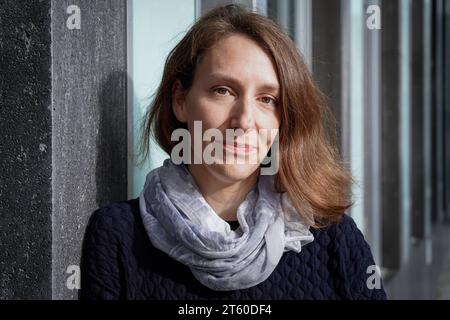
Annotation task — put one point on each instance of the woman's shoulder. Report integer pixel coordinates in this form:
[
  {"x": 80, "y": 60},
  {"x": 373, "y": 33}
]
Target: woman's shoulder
[
  {"x": 109, "y": 236},
  {"x": 351, "y": 259},
  {"x": 125, "y": 210},
  {"x": 118, "y": 208},
  {"x": 343, "y": 232},
  {"x": 114, "y": 220},
  {"x": 343, "y": 241}
]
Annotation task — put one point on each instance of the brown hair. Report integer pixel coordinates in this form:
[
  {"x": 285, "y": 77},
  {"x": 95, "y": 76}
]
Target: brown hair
[{"x": 310, "y": 171}]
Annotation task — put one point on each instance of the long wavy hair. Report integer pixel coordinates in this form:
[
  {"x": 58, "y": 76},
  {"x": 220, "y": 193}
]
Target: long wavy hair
[{"x": 310, "y": 169}]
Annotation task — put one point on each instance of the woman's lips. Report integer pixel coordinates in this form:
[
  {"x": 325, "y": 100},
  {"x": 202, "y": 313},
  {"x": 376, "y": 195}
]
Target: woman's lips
[{"x": 239, "y": 148}]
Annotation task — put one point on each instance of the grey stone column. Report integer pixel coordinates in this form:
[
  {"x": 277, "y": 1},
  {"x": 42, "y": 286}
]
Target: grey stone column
[
  {"x": 372, "y": 141},
  {"x": 26, "y": 150},
  {"x": 447, "y": 106},
  {"x": 438, "y": 112},
  {"x": 390, "y": 113},
  {"x": 327, "y": 55},
  {"x": 64, "y": 148},
  {"x": 89, "y": 123},
  {"x": 418, "y": 114}
]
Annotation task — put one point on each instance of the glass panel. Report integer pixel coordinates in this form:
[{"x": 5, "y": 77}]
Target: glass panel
[
  {"x": 154, "y": 29},
  {"x": 405, "y": 124},
  {"x": 353, "y": 101}
]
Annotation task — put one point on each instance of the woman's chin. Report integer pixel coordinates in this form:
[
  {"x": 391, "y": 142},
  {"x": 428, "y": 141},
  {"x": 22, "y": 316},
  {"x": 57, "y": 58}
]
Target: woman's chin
[{"x": 234, "y": 171}]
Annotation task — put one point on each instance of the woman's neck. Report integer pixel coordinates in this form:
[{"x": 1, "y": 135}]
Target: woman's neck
[{"x": 224, "y": 197}]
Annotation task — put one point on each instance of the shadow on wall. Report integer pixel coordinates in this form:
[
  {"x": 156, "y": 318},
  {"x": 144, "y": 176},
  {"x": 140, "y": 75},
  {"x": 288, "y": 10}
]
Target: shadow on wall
[{"x": 111, "y": 165}]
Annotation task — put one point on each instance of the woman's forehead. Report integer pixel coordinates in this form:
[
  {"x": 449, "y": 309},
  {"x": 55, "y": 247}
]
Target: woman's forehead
[{"x": 238, "y": 57}]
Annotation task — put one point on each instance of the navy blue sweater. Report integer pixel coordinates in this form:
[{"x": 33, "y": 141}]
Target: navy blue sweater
[{"x": 119, "y": 262}]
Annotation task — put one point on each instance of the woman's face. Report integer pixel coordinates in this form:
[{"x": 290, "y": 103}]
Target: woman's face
[{"x": 235, "y": 86}]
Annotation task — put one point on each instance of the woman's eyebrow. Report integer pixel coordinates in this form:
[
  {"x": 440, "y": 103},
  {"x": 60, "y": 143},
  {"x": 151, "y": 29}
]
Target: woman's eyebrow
[{"x": 227, "y": 78}]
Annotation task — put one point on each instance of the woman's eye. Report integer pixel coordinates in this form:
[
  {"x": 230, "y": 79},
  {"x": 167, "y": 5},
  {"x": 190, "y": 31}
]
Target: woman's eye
[
  {"x": 268, "y": 100},
  {"x": 221, "y": 90}
]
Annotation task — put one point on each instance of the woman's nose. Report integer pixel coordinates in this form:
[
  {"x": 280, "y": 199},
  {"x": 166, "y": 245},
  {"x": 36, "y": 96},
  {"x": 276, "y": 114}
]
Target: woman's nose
[{"x": 243, "y": 115}]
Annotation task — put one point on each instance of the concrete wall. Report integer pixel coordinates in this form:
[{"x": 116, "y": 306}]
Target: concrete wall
[
  {"x": 25, "y": 149},
  {"x": 63, "y": 143},
  {"x": 89, "y": 123}
]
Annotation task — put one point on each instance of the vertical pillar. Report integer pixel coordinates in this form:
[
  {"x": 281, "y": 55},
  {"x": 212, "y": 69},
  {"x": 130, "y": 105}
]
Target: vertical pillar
[
  {"x": 439, "y": 110},
  {"x": 405, "y": 128},
  {"x": 418, "y": 116},
  {"x": 89, "y": 123},
  {"x": 372, "y": 141},
  {"x": 303, "y": 29},
  {"x": 427, "y": 125},
  {"x": 327, "y": 55},
  {"x": 63, "y": 144},
  {"x": 438, "y": 119},
  {"x": 26, "y": 150},
  {"x": 353, "y": 26},
  {"x": 447, "y": 106},
  {"x": 390, "y": 161}
]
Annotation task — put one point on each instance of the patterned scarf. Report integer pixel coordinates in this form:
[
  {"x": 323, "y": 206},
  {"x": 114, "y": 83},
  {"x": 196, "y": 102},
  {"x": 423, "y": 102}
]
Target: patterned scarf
[{"x": 180, "y": 222}]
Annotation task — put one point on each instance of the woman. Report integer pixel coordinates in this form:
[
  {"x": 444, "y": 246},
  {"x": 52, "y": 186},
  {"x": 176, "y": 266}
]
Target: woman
[{"x": 208, "y": 228}]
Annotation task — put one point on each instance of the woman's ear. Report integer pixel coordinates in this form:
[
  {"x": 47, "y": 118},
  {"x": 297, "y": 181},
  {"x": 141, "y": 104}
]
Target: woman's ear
[{"x": 178, "y": 101}]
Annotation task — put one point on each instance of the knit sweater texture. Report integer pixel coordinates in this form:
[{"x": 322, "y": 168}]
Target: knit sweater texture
[{"x": 119, "y": 262}]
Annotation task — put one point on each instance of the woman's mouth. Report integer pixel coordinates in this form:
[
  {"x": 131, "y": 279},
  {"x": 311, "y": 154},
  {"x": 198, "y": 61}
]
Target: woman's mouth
[{"x": 239, "y": 148}]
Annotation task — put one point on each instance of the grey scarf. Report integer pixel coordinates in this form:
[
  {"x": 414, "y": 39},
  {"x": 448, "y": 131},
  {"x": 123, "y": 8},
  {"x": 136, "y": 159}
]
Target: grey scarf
[{"x": 180, "y": 222}]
